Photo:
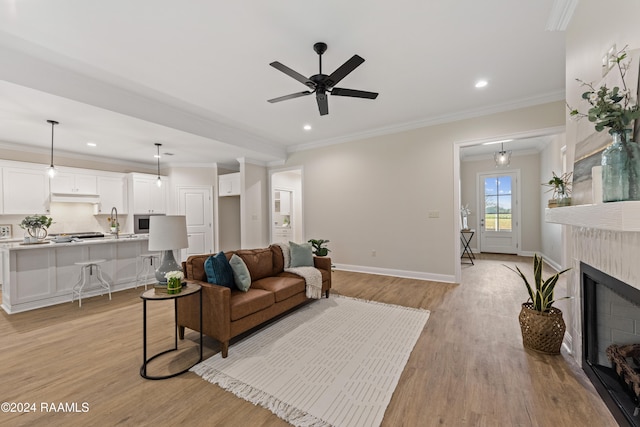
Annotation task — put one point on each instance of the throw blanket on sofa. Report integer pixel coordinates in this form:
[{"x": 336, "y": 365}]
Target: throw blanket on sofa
[{"x": 311, "y": 275}]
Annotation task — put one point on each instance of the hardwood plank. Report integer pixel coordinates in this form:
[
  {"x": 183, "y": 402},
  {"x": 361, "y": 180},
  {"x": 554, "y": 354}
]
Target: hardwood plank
[{"x": 468, "y": 367}]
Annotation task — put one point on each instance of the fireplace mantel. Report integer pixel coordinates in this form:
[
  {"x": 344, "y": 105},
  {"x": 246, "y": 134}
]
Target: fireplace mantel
[{"x": 614, "y": 216}]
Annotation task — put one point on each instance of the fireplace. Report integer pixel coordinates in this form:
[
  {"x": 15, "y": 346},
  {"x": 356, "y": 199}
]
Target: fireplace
[{"x": 611, "y": 315}]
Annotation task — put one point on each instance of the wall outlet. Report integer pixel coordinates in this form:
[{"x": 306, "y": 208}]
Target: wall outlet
[
  {"x": 5, "y": 231},
  {"x": 434, "y": 214},
  {"x": 373, "y": 252}
]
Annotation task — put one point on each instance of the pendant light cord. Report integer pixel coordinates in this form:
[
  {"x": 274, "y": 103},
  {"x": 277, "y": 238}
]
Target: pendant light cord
[{"x": 53, "y": 123}]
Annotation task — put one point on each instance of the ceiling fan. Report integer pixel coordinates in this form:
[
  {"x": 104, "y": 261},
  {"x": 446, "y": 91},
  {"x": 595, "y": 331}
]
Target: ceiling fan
[{"x": 321, "y": 84}]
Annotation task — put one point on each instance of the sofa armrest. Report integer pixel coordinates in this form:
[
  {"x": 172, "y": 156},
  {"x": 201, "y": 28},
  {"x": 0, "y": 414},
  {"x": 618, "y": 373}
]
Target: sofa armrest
[
  {"x": 322, "y": 263},
  {"x": 216, "y": 311}
]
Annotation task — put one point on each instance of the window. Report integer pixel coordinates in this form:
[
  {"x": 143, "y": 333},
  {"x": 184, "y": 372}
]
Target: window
[{"x": 497, "y": 203}]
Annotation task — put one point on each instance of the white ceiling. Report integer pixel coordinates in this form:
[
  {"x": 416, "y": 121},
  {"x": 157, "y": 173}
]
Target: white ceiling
[{"x": 195, "y": 75}]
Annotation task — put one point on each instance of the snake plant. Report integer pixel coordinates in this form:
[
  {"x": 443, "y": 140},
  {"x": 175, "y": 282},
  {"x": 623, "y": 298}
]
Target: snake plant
[{"x": 541, "y": 294}]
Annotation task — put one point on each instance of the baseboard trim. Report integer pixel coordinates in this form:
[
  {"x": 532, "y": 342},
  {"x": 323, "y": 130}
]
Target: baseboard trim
[{"x": 419, "y": 275}]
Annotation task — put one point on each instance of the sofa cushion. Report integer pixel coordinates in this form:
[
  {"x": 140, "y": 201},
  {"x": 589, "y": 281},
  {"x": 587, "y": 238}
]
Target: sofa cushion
[
  {"x": 241, "y": 274},
  {"x": 219, "y": 271},
  {"x": 245, "y": 303},
  {"x": 282, "y": 287},
  {"x": 258, "y": 261},
  {"x": 278, "y": 259},
  {"x": 301, "y": 255}
]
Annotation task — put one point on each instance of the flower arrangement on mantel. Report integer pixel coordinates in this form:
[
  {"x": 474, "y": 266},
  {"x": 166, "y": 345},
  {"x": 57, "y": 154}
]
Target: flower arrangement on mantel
[{"x": 613, "y": 108}]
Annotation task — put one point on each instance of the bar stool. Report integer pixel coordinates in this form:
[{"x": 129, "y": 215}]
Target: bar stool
[
  {"x": 85, "y": 279},
  {"x": 146, "y": 267}
]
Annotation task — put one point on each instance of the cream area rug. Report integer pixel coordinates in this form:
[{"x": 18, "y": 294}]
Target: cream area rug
[{"x": 333, "y": 362}]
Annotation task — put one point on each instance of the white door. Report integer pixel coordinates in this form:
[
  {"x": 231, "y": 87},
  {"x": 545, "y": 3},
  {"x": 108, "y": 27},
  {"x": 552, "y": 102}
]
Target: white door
[
  {"x": 196, "y": 204},
  {"x": 498, "y": 212}
]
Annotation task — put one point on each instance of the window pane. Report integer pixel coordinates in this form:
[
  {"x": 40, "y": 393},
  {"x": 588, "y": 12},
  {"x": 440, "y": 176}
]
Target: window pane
[
  {"x": 504, "y": 213},
  {"x": 504, "y": 185},
  {"x": 491, "y": 213},
  {"x": 490, "y": 186}
]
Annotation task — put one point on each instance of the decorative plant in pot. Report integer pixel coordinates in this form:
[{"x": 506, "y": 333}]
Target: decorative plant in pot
[
  {"x": 36, "y": 226},
  {"x": 561, "y": 187},
  {"x": 541, "y": 324},
  {"x": 318, "y": 248}
]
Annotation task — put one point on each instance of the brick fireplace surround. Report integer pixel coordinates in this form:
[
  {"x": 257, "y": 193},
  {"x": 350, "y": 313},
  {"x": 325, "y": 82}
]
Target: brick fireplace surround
[{"x": 605, "y": 237}]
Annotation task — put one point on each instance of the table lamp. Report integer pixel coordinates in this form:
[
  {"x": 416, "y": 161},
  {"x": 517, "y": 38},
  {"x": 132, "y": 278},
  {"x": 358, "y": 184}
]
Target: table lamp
[{"x": 167, "y": 233}]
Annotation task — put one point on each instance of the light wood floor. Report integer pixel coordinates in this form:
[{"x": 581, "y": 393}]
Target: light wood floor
[{"x": 468, "y": 367}]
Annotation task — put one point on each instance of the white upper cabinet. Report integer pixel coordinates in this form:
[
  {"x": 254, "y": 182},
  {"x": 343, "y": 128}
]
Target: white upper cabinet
[
  {"x": 76, "y": 184},
  {"x": 25, "y": 191},
  {"x": 229, "y": 184},
  {"x": 145, "y": 195},
  {"x": 112, "y": 191}
]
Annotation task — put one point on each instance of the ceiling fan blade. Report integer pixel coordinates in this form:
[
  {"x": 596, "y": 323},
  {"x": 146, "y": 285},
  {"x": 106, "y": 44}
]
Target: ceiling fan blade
[
  {"x": 354, "y": 93},
  {"x": 292, "y": 96},
  {"x": 323, "y": 105},
  {"x": 291, "y": 73},
  {"x": 343, "y": 70}
]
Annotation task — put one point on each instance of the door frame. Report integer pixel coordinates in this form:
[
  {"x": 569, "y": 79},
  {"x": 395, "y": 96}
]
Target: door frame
[
  {"x": 457, "y": 203},
  {"x": 273, "y": 187},
  {"x": 514, "y": 218}
]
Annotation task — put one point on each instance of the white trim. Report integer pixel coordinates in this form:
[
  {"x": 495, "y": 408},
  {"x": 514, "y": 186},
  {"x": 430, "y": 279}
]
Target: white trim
[
  {"x": 561, "y": 14},
  {"x": 419, "y": 275}
]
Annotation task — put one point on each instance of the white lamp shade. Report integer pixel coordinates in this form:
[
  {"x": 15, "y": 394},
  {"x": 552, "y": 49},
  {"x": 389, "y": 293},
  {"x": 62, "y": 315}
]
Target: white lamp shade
[{"x": 167, "y": 232}]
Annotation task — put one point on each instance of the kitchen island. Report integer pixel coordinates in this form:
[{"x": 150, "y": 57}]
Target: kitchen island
[{"x": 40, "y": 275}]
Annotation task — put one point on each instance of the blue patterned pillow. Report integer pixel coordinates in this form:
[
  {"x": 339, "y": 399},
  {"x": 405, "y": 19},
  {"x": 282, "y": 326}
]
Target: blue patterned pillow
[{"x": 219, "y": 271}]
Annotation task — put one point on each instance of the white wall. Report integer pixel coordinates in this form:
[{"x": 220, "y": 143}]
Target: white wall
[
  {"x": 254, "y": 205},
  {"x": 529, "y": 167},
  {"x": 551, "y": 161},
  {"x": 376, "y": 194}
]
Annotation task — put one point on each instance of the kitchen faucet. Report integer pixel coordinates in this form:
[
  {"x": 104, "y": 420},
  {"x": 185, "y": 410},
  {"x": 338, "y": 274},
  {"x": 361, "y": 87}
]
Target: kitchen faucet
[{"x": 113, "y": 209}]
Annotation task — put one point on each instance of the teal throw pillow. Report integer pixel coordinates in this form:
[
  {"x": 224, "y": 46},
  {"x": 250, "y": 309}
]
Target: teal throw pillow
[
  {"x": 219, "y": 271},
  {"x": 301, "y": 255},
  {"x": 240, "y": 273}
]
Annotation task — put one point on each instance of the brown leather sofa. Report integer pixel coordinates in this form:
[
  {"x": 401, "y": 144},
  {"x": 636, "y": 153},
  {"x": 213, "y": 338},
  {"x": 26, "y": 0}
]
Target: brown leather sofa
[{"x": 227, "y": 313}]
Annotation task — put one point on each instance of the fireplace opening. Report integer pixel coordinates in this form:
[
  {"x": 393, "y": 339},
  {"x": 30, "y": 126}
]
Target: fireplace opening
[{"x": 611, "y": 317}]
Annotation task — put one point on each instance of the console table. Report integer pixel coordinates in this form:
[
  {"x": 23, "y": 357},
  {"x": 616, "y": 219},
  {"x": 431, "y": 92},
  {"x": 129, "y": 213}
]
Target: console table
[
  {"x": 151, "y": 295},
  {"x": 465, "y": 239}
]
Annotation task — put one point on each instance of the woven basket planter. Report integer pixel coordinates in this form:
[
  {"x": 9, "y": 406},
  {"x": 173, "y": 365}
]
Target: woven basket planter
[{"x": 542, "y": 332}]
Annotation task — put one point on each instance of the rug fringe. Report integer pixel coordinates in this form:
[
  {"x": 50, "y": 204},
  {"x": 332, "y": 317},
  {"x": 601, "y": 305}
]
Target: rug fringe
[
  {"x": 420, "y": 310},
  {"x": 244, "y": 391}
]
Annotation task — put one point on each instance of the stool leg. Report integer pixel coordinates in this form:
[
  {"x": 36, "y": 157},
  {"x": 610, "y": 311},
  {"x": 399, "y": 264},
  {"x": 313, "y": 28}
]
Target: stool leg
[
  {"x": 81, "y": 282},
  {"x": 105, "y": 284}
]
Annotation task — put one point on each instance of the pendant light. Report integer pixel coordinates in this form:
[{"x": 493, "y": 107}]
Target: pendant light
[
  {"x": 502, "y": 158},
  {"x": 159, "y": 181},
  {"x": 51, "y": 170}
]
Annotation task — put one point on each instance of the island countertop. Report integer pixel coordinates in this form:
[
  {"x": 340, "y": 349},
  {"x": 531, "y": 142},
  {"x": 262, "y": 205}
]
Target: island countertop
[
  {"x": 39, "y": 275},
  {"x": 48, "y": 243}
]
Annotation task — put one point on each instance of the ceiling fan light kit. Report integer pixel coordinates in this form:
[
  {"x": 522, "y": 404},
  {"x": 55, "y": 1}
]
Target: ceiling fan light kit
[{"x": 321, "y": 84}]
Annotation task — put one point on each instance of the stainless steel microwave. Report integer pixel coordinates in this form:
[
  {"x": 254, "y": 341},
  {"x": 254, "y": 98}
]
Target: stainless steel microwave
[{"x": 141, "y": 223}]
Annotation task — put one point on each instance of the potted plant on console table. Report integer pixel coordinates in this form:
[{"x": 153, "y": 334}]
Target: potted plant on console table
[{"x": 541, "y": 324}]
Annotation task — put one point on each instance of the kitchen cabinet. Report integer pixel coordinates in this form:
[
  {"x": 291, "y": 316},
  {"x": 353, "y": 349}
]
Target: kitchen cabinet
[
  {"x": 282, "y": 235},
  {"x": 145, "y": 194},
  {"x": 112, "y": 191},
  {"x": 76, "y": 184},
  {"x": 229, "y": 184},
  {"x": 282, "y": 202},
  {"x": 25, "y": 191}
]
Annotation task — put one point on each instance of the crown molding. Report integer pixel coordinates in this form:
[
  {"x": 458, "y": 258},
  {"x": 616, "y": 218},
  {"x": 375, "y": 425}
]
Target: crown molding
[
  {"x": 432, "y": 121},
  {"x": 561, "y": 14}
]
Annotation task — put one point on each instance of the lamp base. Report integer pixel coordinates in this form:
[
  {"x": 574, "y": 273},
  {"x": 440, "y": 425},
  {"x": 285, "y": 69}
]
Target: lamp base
[{"x": 168, "y": 264}]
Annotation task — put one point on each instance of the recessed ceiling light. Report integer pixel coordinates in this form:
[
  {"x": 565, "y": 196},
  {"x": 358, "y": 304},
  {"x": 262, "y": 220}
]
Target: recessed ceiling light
[
  {"x": 92, "y": 144},
  {"x": 306, "y": 127},
  {"x": 481, "y": 83}
]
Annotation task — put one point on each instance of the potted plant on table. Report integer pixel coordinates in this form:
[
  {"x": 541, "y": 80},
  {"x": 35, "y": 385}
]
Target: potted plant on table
[
  {"x": 541, "y": 324},
  {"x": 318, "y": 248},
  {"x": 561, "y": 187},
  {"x": 37, "y": 226}
]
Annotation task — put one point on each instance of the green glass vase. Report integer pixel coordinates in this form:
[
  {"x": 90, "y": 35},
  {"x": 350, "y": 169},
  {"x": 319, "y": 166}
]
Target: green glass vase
[{"x": 621, "y": 168}]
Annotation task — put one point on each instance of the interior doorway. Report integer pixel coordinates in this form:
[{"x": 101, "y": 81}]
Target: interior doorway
[
  {"x": 196, "y": 204},
  {"x": 286, "y": 208}
]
